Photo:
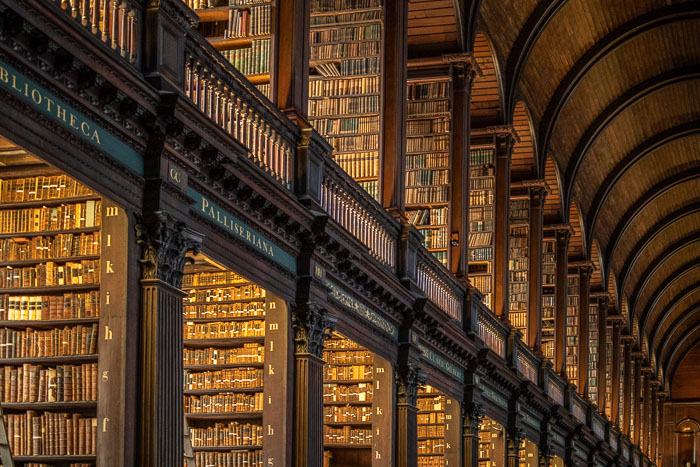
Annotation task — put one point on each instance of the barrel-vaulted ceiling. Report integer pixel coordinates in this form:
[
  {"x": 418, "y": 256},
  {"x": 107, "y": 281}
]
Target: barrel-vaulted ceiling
[{"x": 611, "y": 89}]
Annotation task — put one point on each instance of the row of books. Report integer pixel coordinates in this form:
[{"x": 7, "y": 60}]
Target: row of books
[
  {"x": 424, "y": 126},
  {"x": 43, "y": 187},
  {"x": 427, "y": 144},
  {"x": 224, "y": 310},
  {"x": 344, "y": 357},
  {"x": 427, "y": 177},
  {"x": 224, "y": 294},
  {"x": 354, "y": 143},
  {"x": 35, "y": 383},
  {"x": 431, "y": 431},
  {"x": 224, "y": 403},
  {"x": 35, "y": 343},
  {"x": 481, "y": 171},
  {"x": 253, "y": 60},
  {"x": 344, "y": 86},
  {"x": 346, "y": 435},
  {"x": 344, "y": 49},
  {"x": 371, "y": 187},
  {"x": 435, "y": 238},
  {"x": 49, "y": 247},
  {"x": 480, "y": 239},
  {"x": 50, "y": 307},
  {"x": 355, "y": 17},
  {"x": 51, "y": 434},
  {"x": 481, "y": 157},
  {"x": 264, "y": 88},
  {"x": 481, "y": 254},
  {"x": 481, "y": 213},
  {"x": 431, "y": 403},
  {"x": 432, "y": 216},
  {"x": 203, "y": 4},
  {"x": 484, "y": 225},
  {"x": 369, "y": 32},
  {"x": 347, "y": 373},
  {"x": 51, "y": 274},
  {"x": 359, "y": 392},
  {"x": 518, "y": 320},
  {"x": 482, "y": 183},
  {"x": 431, "y": 446},
  {"x": 427, "y": 107},
  {"x": 481, "y": 197},
  {"x": 344, "y": 105},
  {"x": 432, "y": 90},
  {"x": 221, "y": 278},
  {"x": 227, "y": 378},
  {"x": 424, "y": 195},
  {"x": 433, "y": 461},
  {"x": 248, "y": 353},
  {"x": 229, "y": 459},
  {"x": 227, "y": 434},
  {"x": 359, "y": 164},
  {"x": 64, "y": 217},
  {"x": 431, "y": 418},
  {"x": 482, "y": 283},
  {"x": 254, "y": 22},
  {"x": 318, "y": 6},
  {"x": 221, "y": 330},
  {"x": 345, "y": 126},
  {"x": 517, "y": 266},
  {"x": 348, "y": 413}
]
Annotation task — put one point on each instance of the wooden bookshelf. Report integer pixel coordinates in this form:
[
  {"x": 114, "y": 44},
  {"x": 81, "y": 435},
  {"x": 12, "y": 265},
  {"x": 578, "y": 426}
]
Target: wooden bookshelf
[
  {"x": 491, "y": 444},
  {"x": 428, "y": 162},
  {"x": 50, "y": 315},
  {"x": 436, "y": 442},
  {"x": 572, "y": 327},
  {"x": 482, "y": 186},
  {"x": 226, "y": 350},
  {"x": 549, "y": 287},
  {"x": 527, "y": 454},
  {"x": 242, "y": 31},
  {"x": 518, "y": 264},
  {"x": 593, "y": 363},
  {"x": 344, "y": 83},
  {"x": 606, "y": 378}
]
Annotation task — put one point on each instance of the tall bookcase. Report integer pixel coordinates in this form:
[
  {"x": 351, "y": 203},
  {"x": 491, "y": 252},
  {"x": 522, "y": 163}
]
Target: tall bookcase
[
  {"x": 231, "y": 397},
  {"x": 518, "y": 263},
  {"x": 356, "y": 400},
  {"x": 549, "y": 287},
  {"x": 437, "y": 415},
  {"x": 344, "y": 83},
  {"x": 593, "y": 363},
  {"x": 621, "y": 393},
  {"x": 572, "y": 327},
  {"x": 527, "y": 454},
  {"x": 482, "y": 187},
  {"x": 606, "y": 379},
  {"x": 491, "y": 444},
  {"x": 242, "y": 31},
  {"x": 428, "y": 128},
  {"x": 50, "y": 315}
]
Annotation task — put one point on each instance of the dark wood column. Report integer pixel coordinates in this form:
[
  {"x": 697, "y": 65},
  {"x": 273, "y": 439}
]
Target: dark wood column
[
  {"x": 626, "y": 386},
  {"x": 584, "y": 291},
  {"x": 164, "y": 244},
  {"x": 562, "y": 235},
  {"x": 534, "y": 325},
  {"x": 471, "y": 418},
  {"x": 408, "y": 378},
  {"x": 463, "y": 70},
  {"x": 646, "y": 410},
  {"x": 393, "y": 137},
  {"x": 602, "y": 351},
  {"x": 513, "y": 437},
  {"x": 660, "y": 427},
  {"x": 290, "y": 82},
  {"x": 311, "y": 324},
  {"x": 654, "y": 427},
  {"x": 504, "y": 138},
  {"x": 636, "y": 397},
  {"x": 615, "y": 406}
]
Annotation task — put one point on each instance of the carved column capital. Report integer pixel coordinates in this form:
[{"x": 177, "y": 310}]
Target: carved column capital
[
  {"x": 465, "y": 66},
  {"x": 472, "y": 416},
  {"x": 164, "y": 244},
  {"x": 312, "y": 325},
  {"x": 408, "y": 380}
]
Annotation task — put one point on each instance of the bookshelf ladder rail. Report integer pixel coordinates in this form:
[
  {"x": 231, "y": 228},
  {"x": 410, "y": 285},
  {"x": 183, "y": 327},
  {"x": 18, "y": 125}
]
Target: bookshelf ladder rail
[
  {"x": 5, "y": 454},
  {"x": 189, "y": 452}
]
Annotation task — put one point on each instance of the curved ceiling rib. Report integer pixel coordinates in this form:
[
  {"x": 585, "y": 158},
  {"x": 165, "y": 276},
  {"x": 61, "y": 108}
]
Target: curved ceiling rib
[
  {"x": 524, "y": 43},
  {"x": 662, "y": 289},
  {"x": 658, "y": 262},
  {"x": 647, "y": 147},
  {"x": 602, "y": 48},
  {"x": 677, "y": 323},
  {"x": 627, "y": 218},
  {"x": 689, "y": 340},
  {"x": 678, "y": 299}
]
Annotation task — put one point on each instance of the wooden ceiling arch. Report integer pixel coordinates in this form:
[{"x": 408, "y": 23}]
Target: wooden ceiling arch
[
  {"x": 486, "y": 106},
  {"x": 690, "y": 294},
  {"x": 680, "y": 325},
  {"x": 645, "y": 200},
  {"x": 524, "y": 165},
  {"x": 578, "y": 239},
  {"x": 605, "y": 46},
  {"x": 598, "y": 270},
  {"x": 680, "y": 349},
  {"x": 627, "y": 162},
  {"x": 553, "y": 203}
]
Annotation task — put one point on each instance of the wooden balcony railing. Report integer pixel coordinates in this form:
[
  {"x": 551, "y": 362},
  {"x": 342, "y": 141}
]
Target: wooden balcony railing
[
  {"x": 233, "y": 103},
  {"x": 114, "y": 22},
  {"x": 437, "y": 284},
  {"x": 492, "y": 331},
  {"x": 527, "y": 363},
  {"x": 578, "y": 409},
  {"x": 554, "y": 389},
  {"x": 349, "y": 205}
]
